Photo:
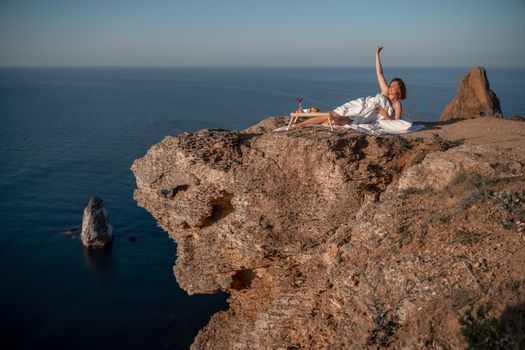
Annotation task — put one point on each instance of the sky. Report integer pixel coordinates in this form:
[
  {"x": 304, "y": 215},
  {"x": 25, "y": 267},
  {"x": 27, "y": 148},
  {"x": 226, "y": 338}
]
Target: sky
[{"x": 414, "y": 33}]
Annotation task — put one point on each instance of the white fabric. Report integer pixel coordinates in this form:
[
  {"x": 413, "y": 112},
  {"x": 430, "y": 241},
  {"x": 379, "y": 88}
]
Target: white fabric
[
  {"x": 380, "y": 127},
  {"x": 385, "y": 127},
  {"x": 394, "y": 125},
  {"x": 363, "y": 110}
]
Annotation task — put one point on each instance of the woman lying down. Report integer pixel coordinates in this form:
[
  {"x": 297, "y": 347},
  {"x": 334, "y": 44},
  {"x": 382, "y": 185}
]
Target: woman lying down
[{"x": 384, "y": 105}]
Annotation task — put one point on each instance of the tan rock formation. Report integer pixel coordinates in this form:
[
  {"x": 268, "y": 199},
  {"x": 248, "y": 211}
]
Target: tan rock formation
[
  {"x": 474, "y": 98},
  {"x": 338, "y": 240}
]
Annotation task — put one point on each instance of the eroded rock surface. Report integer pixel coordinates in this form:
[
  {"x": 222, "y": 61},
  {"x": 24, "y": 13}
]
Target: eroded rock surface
[
  {"x": 96, "y": 232},
  {"x": 339, "y": 240},
  {"x": 474, "y": 98}
]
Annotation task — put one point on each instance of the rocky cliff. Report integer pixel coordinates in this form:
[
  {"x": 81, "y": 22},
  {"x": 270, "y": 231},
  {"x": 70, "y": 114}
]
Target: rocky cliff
[{"x": 339, "y": 240}]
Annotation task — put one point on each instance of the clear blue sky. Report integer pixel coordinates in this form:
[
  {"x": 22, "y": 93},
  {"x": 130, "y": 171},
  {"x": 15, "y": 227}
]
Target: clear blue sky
[{"x": 262, "y": 32}]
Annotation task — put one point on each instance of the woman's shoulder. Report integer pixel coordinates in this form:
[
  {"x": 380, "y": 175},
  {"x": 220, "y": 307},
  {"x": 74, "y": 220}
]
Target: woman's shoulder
[{"x": 396, "y": 104}]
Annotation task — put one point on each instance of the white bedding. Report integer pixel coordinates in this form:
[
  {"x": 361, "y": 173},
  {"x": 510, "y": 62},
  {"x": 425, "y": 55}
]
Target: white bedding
[{"x": 378, "y": 128}]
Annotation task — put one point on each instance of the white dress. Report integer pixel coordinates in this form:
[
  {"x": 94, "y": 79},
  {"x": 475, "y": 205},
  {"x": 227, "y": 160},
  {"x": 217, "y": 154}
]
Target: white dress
[{"x": 363, "y": 110}]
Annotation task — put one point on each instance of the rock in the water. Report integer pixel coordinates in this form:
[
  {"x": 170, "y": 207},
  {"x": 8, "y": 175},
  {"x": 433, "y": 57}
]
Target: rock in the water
[
  {"x": 474, "y": 98},
  {"x": 96, "y": 229}
]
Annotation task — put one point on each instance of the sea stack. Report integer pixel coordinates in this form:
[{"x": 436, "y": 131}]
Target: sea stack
[
  {"x": 96, "y": 229},
  {"x": 474, "y": 98}
]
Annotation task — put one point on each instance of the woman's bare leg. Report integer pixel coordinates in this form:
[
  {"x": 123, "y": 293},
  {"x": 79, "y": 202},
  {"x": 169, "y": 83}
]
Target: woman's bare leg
[
  {"x": 336, "y": 119},
  {"x": 312, "y": 121},
  {"x": 341, "y": 120}
]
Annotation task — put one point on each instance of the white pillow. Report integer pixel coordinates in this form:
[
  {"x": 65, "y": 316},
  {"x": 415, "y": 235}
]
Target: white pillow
[{"x": 394, "y": 125}]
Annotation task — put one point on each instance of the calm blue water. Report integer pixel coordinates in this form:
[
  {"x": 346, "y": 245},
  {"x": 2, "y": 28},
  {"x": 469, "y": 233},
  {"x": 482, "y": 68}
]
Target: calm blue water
[{"x": 68, "y": 133}]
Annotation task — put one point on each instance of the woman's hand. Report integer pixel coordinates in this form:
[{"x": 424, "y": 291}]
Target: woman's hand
[
  {"x": 382, "y": 112},
  {"x": 378, "y": 50}
]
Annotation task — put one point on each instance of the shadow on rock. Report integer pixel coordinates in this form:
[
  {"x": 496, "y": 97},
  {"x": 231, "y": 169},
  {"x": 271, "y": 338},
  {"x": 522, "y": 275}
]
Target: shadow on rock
[{"x": 507, "y": 332}]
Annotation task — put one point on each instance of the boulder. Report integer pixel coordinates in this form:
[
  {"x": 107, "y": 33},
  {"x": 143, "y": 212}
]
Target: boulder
[
  {"x": 96, "y": 229},
  {"x": 474, "y": 98},
  {"x": 440, "y": 169}
]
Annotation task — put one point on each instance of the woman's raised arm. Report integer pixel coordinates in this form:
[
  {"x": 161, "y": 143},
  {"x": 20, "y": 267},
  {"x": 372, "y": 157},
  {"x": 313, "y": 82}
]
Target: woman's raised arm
[{"x": 379, "y": 70}]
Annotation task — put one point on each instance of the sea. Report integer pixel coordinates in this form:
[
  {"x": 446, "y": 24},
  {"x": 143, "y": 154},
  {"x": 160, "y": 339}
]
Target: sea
[{"x": 70, "y": 133}]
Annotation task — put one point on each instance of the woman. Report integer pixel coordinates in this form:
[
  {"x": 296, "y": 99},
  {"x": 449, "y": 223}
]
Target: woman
[{"x": 385, "y": 105}]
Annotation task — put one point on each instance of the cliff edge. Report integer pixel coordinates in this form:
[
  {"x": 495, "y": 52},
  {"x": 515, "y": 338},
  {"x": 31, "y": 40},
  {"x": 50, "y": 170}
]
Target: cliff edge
[{"x": 340, "y": 240}]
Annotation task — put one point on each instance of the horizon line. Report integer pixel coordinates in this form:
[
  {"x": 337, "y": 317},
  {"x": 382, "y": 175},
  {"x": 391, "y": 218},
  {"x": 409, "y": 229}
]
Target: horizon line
[{"x": 237, "y": 66}]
